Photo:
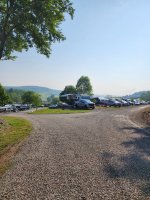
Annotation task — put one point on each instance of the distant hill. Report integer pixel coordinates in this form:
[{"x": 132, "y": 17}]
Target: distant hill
[
  {"x": 136, "y": 95},
  {"x": 43, "y": 91}
]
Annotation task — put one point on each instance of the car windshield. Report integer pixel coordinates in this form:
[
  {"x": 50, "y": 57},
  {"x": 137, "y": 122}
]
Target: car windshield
[{"x": 86, "y": 100}]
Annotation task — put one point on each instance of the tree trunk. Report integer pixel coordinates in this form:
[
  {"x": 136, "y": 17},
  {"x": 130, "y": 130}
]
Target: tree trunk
[{"x": 2, "y": 48}]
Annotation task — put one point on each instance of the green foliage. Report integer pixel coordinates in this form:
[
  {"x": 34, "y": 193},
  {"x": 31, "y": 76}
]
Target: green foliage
[
  {"x": 146, "y": 96},
  {"x": 43, "y": 91},
  {"x": 58, "y": 111},
  {"x": 49, "y": 99},
  {"x": 69, "y": 89},
  {"x": 13, "y": 131},
  {"x": 3, "y": 96},
  {"x": 37, "y": 100},
  {"x": 30, "y": 97},
  {"x": 84, "y": 85},
  {"x": 15, "y": 96},
  {"x": 53, "y": 99},
  {"x": 25, "y": 24}
]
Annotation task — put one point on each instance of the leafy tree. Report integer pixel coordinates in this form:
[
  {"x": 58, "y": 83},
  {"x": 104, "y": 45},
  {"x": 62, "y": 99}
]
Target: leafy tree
[
  {"x": 15, "y": 95},
  {"x": 49, "y": 99},
  {"x": 3, "y": 96},
  {"x": 37, "y": 100},
  {"x": 69, "y": 89},
  {"x": 53, "y": 99},
  {"x": 31, "y": 23},
  {"x": 84, "y": 85},
  {"x": 30, "y": 97}
]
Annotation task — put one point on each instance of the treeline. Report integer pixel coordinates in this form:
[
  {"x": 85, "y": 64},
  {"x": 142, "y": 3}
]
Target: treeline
[
  {"x": 10, "y": 96},
  {"x": 15, "y": 95},
  {"x": 83, "y": 86}
]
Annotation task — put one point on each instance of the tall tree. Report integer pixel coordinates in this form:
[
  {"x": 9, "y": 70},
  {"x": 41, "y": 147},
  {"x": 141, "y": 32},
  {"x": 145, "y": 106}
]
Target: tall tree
[
  {"x": 69, "y": 89},
  {"x": 31, "y": 23},
  {"x": 37, "y": 100},
  {"x": 30, "y": 97},
  {"x": 84, "y": 85},
  {"x": 3, "y": 96}
]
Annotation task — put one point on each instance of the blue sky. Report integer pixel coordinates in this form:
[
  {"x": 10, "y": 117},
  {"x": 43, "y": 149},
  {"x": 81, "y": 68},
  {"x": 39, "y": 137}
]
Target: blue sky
[{"x": 108, "y": 40}]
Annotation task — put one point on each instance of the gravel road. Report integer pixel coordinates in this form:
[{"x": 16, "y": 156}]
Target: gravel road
[{"x": 91, "y": 156}]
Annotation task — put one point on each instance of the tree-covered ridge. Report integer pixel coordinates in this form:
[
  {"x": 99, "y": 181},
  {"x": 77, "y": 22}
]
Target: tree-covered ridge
[
  {"x": 11, "y": 96},
  {"x": 146, "y": 96},
  {"x": 138, "y": 95},
  {"x": 43, "y": 91}
]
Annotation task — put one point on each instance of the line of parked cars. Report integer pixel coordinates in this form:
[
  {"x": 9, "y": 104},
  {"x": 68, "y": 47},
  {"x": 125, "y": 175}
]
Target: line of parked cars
[
  {"x": 90, "y": 102},
  {"x": 118, "y": 102},
  {"x": 15, "y": 107},
  {"x": 79, "y": 104},
  {"x": 85, "y": 102}
]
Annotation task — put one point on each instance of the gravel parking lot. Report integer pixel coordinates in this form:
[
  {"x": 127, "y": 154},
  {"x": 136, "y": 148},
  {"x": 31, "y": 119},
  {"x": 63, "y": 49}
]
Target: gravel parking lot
[{"x": 90, "y": 156}]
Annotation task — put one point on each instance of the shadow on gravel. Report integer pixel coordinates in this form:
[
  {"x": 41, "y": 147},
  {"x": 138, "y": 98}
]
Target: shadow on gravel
[{"x": 136, "y": 165}]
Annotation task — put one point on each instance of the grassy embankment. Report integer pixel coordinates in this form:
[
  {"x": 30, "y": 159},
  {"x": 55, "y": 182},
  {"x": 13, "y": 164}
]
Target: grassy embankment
[
  {"x": 58, "y": 111},
  {"x": 12, "y": 131}
]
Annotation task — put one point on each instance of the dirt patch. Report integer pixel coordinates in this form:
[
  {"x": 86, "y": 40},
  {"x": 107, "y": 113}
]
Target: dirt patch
[
  {"x": 146, "y": 116},
  {"x": 2, "y": 123},
  {"x": 5, "y": 159},
  {"x": 8, "y": 153},
  {"x": 142, "y": 116}
]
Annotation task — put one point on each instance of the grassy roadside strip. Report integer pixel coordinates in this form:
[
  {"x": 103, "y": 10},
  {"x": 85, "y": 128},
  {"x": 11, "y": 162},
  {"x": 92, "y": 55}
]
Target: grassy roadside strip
[
  {"x": 58, "y": 111},
  {"x": 13, "y": 131},
  {"x": 107, "y": 107}
]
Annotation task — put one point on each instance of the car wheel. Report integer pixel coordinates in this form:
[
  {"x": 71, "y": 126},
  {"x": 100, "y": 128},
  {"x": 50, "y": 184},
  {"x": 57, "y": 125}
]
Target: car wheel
[
  {"x": 85, "y": 107},
  {"x": 75, "y": 106}
]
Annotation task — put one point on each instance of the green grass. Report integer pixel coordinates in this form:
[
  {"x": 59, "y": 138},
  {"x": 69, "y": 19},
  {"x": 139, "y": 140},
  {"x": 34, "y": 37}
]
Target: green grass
[
  {"x": 12, "y": 132},
  {"x": 58, "y": 111},
  {"x": 101, "y": 107}
]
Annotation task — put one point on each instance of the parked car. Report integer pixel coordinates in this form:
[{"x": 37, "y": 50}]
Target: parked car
[
  {"x": 84, "y": 103},
  {"x": 65, "y": 106},
  {"x": 7, "y": 108},
  {"x": 137, "y": 102},
  {"x": 2, "y": 109},
  {"x": 131, "y": 103},
  {"x": 14, "y": 108},
  {"x": 24, "y": 107},
  {"x": 144, "y": 103},
  {"x": 112, "y": 102},
  {"x": 60, "y": 105},
  {"x": 123, "y": 102},
  {"x": 53, "y": 106},
  {"x": 99, "y": 101}
]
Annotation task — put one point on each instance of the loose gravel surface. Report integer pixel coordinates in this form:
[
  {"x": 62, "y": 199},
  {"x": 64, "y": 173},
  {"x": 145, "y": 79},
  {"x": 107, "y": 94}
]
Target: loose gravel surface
[{"x": 91, "y": 156}]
